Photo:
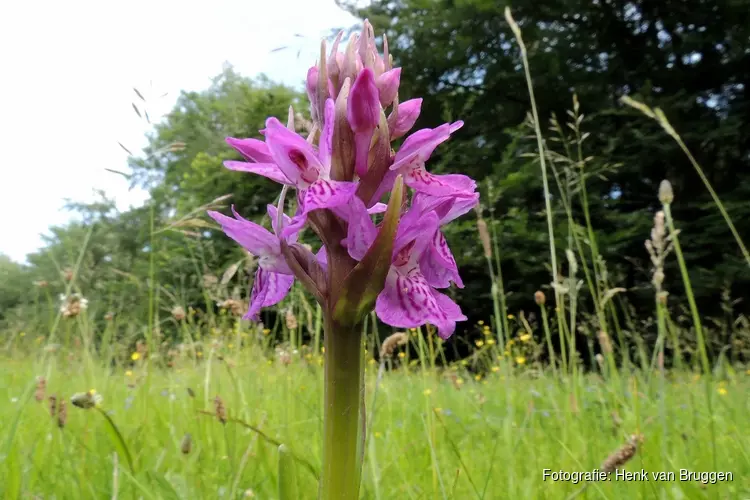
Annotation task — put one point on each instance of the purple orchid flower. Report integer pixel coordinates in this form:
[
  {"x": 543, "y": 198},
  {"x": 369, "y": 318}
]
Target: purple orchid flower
[
  {"x": 274, "y": 278},
  {"x": 408, "y": 299}
]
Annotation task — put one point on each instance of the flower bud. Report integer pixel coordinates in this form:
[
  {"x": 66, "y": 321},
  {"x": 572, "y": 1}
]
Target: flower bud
[
  {"x": 363, "y": 113},
  {"x": 311, "y": 85},
  {"x": 333, "y": 66},
  {"x": 387, "y": 84},
  {"x": 666, "y": 194},
  {"x": 342, "y": 148},
  {"x": 540, "y": 298},
  {"x": 403, "y": 117}
]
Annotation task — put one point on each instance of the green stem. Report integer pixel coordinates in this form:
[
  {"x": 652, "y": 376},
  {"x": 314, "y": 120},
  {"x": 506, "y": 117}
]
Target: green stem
[{"x": 344, "y": 404}]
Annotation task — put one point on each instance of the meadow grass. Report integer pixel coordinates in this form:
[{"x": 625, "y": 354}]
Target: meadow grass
[{"x": 433, "y": 434}]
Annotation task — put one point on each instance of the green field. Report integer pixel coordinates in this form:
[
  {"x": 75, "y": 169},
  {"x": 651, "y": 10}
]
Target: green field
[{"x": 444, "y": 433}]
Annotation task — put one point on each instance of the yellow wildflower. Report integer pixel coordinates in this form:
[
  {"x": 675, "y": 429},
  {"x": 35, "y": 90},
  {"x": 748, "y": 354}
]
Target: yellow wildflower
[
  {"x": 480, "y": 322},
  {"x": 495, "y": 369},
  {"x": 266, "y": 331},
  {"x": 427, "y": 392},
  {"x": 477, "y": 377},
  {"x": 128, "y": 373},
  {"x": 520, "y": 360},
  {"x": 524, "y": 337},
  {"x": 135, "y": 356},
  {"x": 378, "y": 434},
  {"x": 402, "y": 354},
  {"x": 723, "y": 391},
  {"x": 479, "y": 343},
  {"x": 490, "y": 341},
  {"x": 510, "y": 316}
]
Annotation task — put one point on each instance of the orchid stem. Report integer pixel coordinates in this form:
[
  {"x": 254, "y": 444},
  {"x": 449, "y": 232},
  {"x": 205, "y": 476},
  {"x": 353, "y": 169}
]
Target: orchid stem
[{"x": 342, "y": 422}]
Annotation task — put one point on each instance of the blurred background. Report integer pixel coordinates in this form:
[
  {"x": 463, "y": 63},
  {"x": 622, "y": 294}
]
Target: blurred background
[{"x": 113, "y": 118}]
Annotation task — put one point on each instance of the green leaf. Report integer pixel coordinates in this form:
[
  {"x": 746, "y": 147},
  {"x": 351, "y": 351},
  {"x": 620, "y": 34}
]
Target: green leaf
[
  {"x": 287, "y": 475},
  {"x": 117, "y": 440},
  {"x": 365, "y": 282}
]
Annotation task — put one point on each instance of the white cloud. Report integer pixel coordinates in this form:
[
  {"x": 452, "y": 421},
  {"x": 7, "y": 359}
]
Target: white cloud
[{"x": 68, "y": 70}]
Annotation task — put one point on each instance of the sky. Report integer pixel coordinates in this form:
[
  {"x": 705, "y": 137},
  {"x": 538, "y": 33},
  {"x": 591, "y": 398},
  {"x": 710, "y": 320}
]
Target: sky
[{"x": 67, "y": 72}]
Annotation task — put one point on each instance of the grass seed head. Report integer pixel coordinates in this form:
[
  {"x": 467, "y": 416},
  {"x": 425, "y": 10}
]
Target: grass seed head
[
  {"x": 220, "y": 410},
  {"x": 41, "y": 387},
  {"x": 62, "y": 414},
  {"x": 666, "y": 193},
  {"x": 623, "y": 455},
  {"x": 392, "y": 342}
]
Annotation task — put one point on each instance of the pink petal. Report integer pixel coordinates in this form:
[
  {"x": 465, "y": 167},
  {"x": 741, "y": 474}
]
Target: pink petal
[
  {"x": 327, "y": 194},
  {"x": 326, "y": 137},
  {"x": 268, "y": 170},
  {"x": 293, "y": 154},
  {"x": 322, "y": 258},
  {"x": 252, "y": 149},
  {"x": 387, "y": 84},
  {"x": 361, "y": 232},
  {"x": 415, "y": 227},
  {"x": 405, "y": 118},
  {"x": 418, "y": 147},
  {"x": 448, "y": 208},
  {"x": 439, "y": 185},
  {"x": 438, "y": 265},
  {"x": 269, "y": 289},
  {"x": 377, "y": 208},
  {"x": 408, "y": 301},
  {"x": 254, "y": 238}
]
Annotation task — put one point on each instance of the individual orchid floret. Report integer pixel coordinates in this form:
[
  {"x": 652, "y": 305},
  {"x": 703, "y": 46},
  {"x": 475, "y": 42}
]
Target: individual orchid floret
[
  {"x": 307, "y": 169},
  {"x": 407, "y": 300},
  {"x": 416, "y": 150},
  {"x": 363, "y": 113},
  {"x": 274, "y": 278}
]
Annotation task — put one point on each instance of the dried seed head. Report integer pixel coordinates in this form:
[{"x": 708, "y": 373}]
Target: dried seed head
[
  {"x": 187, "y": 444},
  {"x": 62, "y": 414},
  {"x": 178, "y": 313},
  {"x": 484, "y": 236},
  {"x": 604, "y": 342},
  {"x": 67, "y": 274},
  {"x": 72, "y": 305},
  {"x": 620, "y": 457},
  {"x": 599, "y": 359},
  {"x": 540, "y": 298},
  {"x": 220, "y": 410},
  {"x": 109, "y": 316},
  {"x": 52, "y": 406},
  {"x": 666, "y": 194},
  {"x": 210, "y": 281},
  {"x": 392, "y": 342},
  {"x": 291, "y": 320},
  {"x": 234, "y": 306},
  {"x": 41, "y": 386}
]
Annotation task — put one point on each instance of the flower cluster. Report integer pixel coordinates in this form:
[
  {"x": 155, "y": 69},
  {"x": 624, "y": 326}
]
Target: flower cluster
[{"x": 340, "y": 172}]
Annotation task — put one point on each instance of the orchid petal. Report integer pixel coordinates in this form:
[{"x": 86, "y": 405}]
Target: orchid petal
[
  {"x": 387, "y": 85},
  {"x": 327, "y": 194},
  {"x": 267, "y": 170},
  {"x": 269, "y": 289},
  {"x": 254, "y": 238},
  {"x": 438, "y": 265},
  {"x": 439, "y": 185},
  {"x": 326, "y": 137},
  {"x": 408, "y": 301},
  {"x": 404, "y": 117},
  {"x": 252, "y": 149},
  {"x": 361, "y": 231},
  {"x": 293, "y": 154}
]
